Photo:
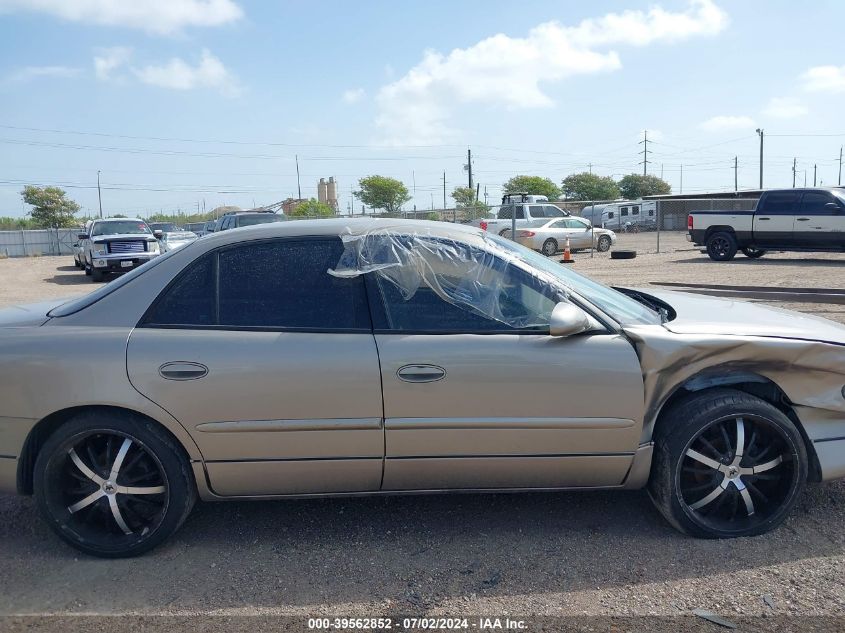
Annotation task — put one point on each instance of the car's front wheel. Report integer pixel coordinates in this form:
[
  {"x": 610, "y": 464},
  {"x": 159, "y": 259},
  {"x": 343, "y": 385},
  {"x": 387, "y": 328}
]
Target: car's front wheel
[
  {"x": 603, "y": 244},
  {"x": 726, "y": 464},
  {"x": 113, "y": 485}
]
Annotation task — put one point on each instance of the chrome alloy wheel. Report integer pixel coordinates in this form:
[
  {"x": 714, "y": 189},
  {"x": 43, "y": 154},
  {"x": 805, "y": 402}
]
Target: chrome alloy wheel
[
  {"x": 109, "y": 487},
  {"x": 736, "y": 473}
]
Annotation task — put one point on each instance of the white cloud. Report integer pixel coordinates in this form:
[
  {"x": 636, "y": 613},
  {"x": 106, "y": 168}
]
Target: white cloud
[
  {"x": 785, "y": 108},
  {"x": 353, "y": 95},
  {"x": 507, "y": 71},
  {"x": 36, "y": 72},
  {"x": 824, "y": 79},
  {"x": 179, "y": 75},
  {"x": 110, "y": 59},
  {"x": 157, "y": 16},
  {"x": 719, "y": 123}
]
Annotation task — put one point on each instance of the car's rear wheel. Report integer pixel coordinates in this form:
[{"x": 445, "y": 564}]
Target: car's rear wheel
[
  {"x": 113, "y": 485},
  {"x": 726, "y": 464},
  {"x": 721, "y": 246},
  {"x": 549, "y": 247},
  {"x": 603, "y": 244},
  {"x": 753, "y": 253}
]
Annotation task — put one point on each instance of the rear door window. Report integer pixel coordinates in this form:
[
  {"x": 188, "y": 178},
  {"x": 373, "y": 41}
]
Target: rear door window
[{"x": 780, "y": 203}]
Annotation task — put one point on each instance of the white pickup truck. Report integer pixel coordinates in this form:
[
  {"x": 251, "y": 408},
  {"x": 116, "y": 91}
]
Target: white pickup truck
[
  {"x": 783, "y": 220},
  {"x": 524, "y": 207}
]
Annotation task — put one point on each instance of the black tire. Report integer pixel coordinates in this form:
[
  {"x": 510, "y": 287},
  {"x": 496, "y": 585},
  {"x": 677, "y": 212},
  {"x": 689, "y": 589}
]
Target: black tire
[
  {"x": 603, "y": 244},
  {"x": 715, "y": 494},
  {"x": 753, "y": 253},
  {"x": 97, "y": 275},
  {"x": 721, "y": 246},
  {"x": 549, "y": 247},
  {"x": 87, "y": 269},
  {"x": 623, "y": 254},
  {"x": 152, "y": 461},
  {"x": 502, "y": 232}
]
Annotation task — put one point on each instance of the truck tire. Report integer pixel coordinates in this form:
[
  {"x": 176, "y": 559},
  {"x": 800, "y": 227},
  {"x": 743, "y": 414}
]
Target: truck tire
[
  {"x": 753, "y": 253},
  {"x": 623, "y": 254},
  {"x": 721, "y": 246},
  {"x": 97, "y": 275}
]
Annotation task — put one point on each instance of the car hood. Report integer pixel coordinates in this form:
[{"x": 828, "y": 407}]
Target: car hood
[
  {"x": 697, "y": 314},
  {"x": 32, "y": 314},
  {"x": 123, "y": 236}
]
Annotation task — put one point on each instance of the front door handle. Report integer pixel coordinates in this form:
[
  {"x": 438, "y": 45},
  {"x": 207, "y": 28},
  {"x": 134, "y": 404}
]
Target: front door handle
[
  {"x": 420, "y": 373},
  {"x": 763, "y": 218},
  {"x": 802, "y": 219},
  {"x": 181, "y": 370}
]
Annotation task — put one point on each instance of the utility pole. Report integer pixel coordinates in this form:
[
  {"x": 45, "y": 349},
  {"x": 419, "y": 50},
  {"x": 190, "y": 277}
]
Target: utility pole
[
  {"x": 682, "y": 179},
  {"x": 469, "y": 166},
  {"x": 444, "y": 191},
  {"x": 99, "y": 195},
  {"x": 661, "y": 171},
  {"x": 298, "y": 186},
  {"x": 644, "y": 143},
  {"x": 839, "y": 181},
  {"x": 485, "y": 194},
  {"x": 590, "y": 167},
  {"x": 794, "y": 164},
  {"x": 760, "y": 132},
  {"x": 736, "y": 173},
  {"x": 815, "y": 171}
]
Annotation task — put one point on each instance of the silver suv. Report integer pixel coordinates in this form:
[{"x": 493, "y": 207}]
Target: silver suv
[{"x": 115, "y": 245}]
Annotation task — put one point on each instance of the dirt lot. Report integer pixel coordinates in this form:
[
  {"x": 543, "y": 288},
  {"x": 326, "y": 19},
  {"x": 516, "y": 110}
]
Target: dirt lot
[{"x": 607, "y": 553}]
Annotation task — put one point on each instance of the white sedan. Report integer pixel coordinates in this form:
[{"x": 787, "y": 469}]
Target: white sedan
[{"x": 549, "y": 235}]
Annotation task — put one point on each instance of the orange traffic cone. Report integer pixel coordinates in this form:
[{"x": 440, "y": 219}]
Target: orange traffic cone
[{"x": 567, "y": 254}]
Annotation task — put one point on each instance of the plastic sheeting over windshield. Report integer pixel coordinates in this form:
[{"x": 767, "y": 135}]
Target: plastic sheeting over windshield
[{"x": 479, "y": 278}]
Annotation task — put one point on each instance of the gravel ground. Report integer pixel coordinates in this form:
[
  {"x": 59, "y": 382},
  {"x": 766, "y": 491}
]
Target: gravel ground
[{"x": 562, "y": 554}]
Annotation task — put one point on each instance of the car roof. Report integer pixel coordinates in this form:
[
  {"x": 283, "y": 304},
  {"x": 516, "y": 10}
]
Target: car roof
[
  {"x": 118, "y": 220},
  {"x": 338, "y": 226}
]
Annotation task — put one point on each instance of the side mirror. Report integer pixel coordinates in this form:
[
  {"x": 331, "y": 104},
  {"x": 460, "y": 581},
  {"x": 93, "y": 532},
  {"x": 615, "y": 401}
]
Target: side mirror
[
  {"x": 158, "y": 234},
  {"x": 82, "y": 236},
  {"x": 568, "y": 319}
]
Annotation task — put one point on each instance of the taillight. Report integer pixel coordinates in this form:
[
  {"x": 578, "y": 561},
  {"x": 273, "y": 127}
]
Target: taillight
[
  {"x": 525, "y": 234},
  {"x": 689, "y": 222},
  {"x": 483, "y": 225}
]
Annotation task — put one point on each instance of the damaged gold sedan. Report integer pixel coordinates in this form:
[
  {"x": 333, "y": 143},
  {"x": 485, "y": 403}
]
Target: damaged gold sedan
[{"x": 350, "y": 357}]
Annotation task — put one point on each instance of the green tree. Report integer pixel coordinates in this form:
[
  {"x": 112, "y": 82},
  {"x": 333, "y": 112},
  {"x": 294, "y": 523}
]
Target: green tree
[
  {"x": 634, "y": 186},
  {"x": 466, "y": 202},
  {"x": 311, "y": 209},
  {"x": 381, "y": 192},
  {"x": 536, "y": 185},
  {"x": 587, "y": 186},
  {"x": 51, "y": 207}
]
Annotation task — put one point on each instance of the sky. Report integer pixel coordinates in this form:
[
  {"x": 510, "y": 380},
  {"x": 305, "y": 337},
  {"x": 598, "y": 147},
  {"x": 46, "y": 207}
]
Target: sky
[{"x": 187, "y": 104}]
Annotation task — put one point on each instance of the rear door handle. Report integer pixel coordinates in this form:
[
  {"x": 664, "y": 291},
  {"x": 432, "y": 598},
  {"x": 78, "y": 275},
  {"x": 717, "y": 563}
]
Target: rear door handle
[
  {"x": 802, "y": 219},
  {"x": 420, "y": 373},
  {"x": 182, "y": 370},
  {"x": 762, "y": 218}
]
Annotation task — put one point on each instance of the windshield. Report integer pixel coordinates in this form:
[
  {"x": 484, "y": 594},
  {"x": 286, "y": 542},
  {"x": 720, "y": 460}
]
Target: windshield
[
  {"x": 264, "y": 218},
  {"x": 622, "y": 308},
  {"x": 164, "y": 226},
  {"x": 121, "y": 227}
]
